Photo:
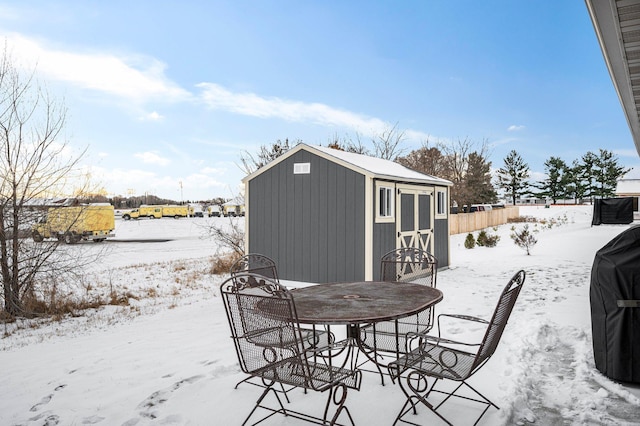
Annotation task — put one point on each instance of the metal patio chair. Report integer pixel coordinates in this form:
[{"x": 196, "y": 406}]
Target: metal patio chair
[
  {"x": 389, "y": 338},
  {"x": 259, "y": 264},
  {"x": 269, "y": 345},
  {"x": 441, "y": 359}
]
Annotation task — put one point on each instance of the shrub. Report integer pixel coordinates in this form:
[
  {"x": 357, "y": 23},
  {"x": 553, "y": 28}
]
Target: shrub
[
  {"x": 521, "y": 219},
  {"x": 487, "y": 240},
  {"x": 221, "y": 264},
  {"x": 470, "y": 241},
  {"x": 524, "y": 239}
]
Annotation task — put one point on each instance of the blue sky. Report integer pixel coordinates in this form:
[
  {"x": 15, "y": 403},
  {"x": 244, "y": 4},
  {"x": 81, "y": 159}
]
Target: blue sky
[{"x": 167, "y": 95}]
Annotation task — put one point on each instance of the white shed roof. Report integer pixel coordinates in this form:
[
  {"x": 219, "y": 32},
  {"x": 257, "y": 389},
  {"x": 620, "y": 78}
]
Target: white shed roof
[
  {"x": 380, "y": 167},
  {"x": 375, "y": 167}
]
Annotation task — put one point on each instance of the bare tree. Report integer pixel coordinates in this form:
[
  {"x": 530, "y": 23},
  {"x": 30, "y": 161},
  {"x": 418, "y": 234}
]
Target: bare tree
[
  {"x": 348, "y": 145},
  {"x": 427, "y": 159},
  {"x": 266, "y": 154},
  {"x": 230, "y": 236},
  {"x": 457, "y": 156},
  {"x": 35, "y": 164},
  {"x": 387, "y": 145}
]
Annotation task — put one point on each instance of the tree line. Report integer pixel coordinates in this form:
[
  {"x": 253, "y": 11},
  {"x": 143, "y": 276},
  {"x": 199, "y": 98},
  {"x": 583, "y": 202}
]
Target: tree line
[
  {"x": 594, "y": 175},
  {"x": 466, "y": 164}
]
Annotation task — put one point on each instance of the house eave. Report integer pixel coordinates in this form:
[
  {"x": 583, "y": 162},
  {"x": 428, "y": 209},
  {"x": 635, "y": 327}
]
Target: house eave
[{"x": 617, "y": 26}]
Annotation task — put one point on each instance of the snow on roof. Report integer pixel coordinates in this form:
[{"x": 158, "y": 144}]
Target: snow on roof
[
  {"x": 628, "y": 186},
  {"x": 50, "y": 202},
  {"x": 380, "y": 167}
]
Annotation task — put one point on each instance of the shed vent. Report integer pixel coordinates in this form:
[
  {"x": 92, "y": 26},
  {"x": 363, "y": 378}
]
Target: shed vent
[{"x": 301, "y": 168}]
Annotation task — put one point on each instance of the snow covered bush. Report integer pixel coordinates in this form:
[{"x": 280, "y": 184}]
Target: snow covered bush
[{"x": 524, "y": 239}]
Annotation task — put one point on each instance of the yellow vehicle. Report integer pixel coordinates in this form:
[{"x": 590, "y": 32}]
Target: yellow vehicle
[
  {"x": 232, "y": 209},
  {"x": 152, "y": 212},
  {"x": 72, "y": 224},
  {"x": 159, "y": 211},
  {"x": 177, "y": 211}
]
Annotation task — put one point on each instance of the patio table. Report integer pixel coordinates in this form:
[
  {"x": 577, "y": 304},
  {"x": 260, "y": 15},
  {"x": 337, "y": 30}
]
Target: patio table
[{"x": 361, "y": 302}]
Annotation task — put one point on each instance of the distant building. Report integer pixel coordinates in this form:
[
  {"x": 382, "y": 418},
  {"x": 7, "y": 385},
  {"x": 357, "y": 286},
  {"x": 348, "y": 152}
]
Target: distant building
[{"x": 630, "y": 188}]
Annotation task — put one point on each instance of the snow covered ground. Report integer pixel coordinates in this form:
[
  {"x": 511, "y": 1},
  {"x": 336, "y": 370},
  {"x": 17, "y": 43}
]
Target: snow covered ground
[{"x": 163, "y": 355}]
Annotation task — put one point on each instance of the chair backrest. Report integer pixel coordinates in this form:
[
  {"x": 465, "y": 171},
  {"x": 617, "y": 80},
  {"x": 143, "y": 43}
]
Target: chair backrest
[
  {"x": 409, "y": 264},
  {"x": 257, "y": 264},
  {"x": 262, "y": 319},
  {"x": 499, "y": 320}
]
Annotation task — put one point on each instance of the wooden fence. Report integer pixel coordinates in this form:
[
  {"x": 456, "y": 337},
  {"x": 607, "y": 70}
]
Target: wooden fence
[{"x": 469, "y": 222}]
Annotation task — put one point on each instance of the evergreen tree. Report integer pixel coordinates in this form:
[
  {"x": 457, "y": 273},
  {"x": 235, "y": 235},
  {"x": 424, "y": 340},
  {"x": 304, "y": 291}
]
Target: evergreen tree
[
  {"x": 478, "y": 185},
  {"x": 556, "y": 184},
  {"x": 586, "y": 174},
  {"x": 575, "y": 188},
  {"x": 607, "y": 173},
  {"x": 513, "y": 176}
]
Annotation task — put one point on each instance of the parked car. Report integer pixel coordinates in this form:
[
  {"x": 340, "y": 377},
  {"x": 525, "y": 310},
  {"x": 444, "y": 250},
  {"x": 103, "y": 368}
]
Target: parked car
[
  {"x": 482, "y": 207},
  {"x": 477, "y": 208}
]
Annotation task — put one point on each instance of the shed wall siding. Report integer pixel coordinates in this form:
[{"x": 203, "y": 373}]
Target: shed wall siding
[
  {"x": 441, "y": 241},
  {"x": 311, "y": 225},
  {"x": 384, "y": 240}
]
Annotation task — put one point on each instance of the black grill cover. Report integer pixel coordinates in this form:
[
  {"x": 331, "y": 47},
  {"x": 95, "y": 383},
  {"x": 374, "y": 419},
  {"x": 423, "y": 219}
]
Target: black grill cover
[
  {"x": 612, "y": 211},
  {"x": 615, "y": 307}
]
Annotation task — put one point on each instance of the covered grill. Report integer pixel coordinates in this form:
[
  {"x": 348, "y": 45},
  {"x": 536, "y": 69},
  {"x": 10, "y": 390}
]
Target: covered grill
[{"x": 615, "y": 307}]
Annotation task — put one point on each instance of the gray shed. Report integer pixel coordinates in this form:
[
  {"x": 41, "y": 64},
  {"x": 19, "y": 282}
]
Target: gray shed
[{"x": 325, "y": 215}]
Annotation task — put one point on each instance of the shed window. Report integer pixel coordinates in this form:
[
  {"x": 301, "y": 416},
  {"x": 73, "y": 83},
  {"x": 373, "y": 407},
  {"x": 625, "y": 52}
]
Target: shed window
[
  {"x": 441, "y": 203},
  {"x": 385, "y": 199}
]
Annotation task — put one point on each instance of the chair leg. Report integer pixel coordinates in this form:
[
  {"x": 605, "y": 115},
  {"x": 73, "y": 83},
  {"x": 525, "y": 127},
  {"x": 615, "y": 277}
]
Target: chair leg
[
  {"x": 417, "y": 390},
  {"x": 337, "y": 396},
  {"x": 268, "y": 388},
  {"x": 248, "y": 381}
]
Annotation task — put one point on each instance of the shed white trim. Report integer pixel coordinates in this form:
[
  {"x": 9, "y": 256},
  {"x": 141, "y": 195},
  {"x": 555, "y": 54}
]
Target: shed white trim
[{"x": 372, "y": 167}]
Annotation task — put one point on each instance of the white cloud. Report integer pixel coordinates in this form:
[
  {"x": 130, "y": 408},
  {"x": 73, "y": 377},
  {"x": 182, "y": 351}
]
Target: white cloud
[
  {"x": 515, "y": 128},
  {"x": 151, "y": 157},
  {"x": 217, "y": 97},
  {"x": 211, "y": 171},
  {"x": 131, "y": 77},
  {"x": 152, "y": 116}
]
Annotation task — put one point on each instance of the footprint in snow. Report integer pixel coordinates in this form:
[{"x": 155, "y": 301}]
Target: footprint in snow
[
  {"x": 52, "y": 420},
  {"x": 160, "y": 397},
  {"x": 92, "y": 420},
  {"x": 49, "y": 419},
  {"x": 42, "y": 402}
]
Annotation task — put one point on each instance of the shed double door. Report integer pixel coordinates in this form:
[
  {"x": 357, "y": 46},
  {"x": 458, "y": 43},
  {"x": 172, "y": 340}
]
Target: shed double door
[{"x": 414, "y": 227}]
